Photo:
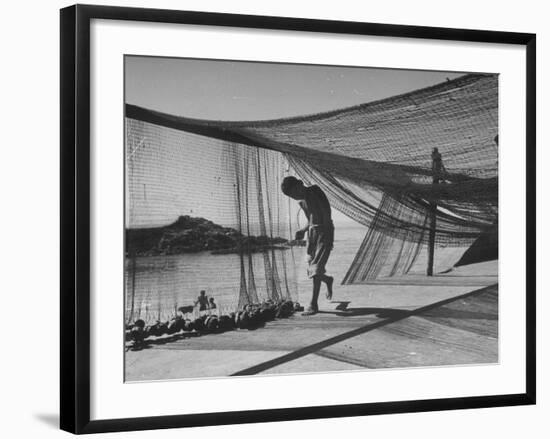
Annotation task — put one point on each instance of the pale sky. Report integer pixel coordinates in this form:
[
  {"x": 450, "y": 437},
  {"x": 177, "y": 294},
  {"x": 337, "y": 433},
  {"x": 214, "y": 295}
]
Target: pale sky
[{"x": 235, "y": 90}]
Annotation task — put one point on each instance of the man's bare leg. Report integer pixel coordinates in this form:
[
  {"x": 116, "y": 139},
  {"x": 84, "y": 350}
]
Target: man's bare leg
[
  {"x": 328, "y": 280},
  {"x": 313, "y": 305}
]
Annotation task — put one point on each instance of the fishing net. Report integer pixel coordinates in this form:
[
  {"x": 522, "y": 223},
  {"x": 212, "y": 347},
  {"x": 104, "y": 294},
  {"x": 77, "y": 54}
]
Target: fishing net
[
  {"x": 179, "y": 185},
  {"x": 372, "y": 161}
]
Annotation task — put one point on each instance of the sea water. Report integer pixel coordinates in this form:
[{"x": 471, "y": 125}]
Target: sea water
[{"x": 158, "y": 285}]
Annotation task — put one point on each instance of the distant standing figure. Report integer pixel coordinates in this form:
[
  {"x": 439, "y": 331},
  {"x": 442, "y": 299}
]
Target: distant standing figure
[
  {"x": 211, "y": 303},
  {"x": 320, "y": 234},
  {"x": 438, "y": 169},
  {"x": 202, "y": 301}
]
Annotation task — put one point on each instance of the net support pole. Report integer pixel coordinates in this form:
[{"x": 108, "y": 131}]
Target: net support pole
[
  {"x": 437, "y": 164},
  {"x": 431, "y": 239}
]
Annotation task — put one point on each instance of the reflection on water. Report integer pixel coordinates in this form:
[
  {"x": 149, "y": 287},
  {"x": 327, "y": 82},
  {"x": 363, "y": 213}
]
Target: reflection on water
[{"x": 163, "y": 283}]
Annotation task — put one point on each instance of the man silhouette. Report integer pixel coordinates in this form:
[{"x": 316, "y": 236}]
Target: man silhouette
[{"x": 320, "y": 234}]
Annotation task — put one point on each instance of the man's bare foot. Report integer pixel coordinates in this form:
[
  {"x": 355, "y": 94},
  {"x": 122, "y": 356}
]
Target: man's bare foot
[
  {"x": 310, "y": 311},
  {"x": 329, "y": 282}
]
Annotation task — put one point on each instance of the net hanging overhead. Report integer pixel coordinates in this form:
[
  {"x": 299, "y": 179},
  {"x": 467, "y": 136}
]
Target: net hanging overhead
[
  {"x": 372, "y": 160},
  {"x": 357, "y": 154}
]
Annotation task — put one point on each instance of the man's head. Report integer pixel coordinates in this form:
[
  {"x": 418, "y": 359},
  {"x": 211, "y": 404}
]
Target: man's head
[
  {"x": 203, "y": 293},
  {"x": 211, "y": 299},
  {"x": 293, "y": 188}
]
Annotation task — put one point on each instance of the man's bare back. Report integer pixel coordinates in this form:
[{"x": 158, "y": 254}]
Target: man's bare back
[{"x": 316, "y": 206}]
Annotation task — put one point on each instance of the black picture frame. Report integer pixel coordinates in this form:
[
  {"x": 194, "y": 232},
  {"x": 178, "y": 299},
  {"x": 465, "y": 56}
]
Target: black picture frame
[{"x": 75, "y": 217}]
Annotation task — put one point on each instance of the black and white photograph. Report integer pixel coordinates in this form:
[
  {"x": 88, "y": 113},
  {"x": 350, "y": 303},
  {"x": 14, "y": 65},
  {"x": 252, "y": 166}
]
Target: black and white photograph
[
  {"x": 275, "y": 219},
  {"x": 300, "y": 219}
]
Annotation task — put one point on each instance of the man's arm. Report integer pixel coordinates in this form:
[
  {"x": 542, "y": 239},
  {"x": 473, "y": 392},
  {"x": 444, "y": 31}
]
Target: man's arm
[{"x": 301, "y": 232}]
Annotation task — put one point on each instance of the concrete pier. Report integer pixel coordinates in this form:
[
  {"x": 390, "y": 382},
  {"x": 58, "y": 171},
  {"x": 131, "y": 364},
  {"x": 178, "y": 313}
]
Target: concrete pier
[{"x": 411, "y": 321}]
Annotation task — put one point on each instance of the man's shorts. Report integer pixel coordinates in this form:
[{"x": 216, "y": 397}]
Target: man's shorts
[{"x": 320, "y": 241}]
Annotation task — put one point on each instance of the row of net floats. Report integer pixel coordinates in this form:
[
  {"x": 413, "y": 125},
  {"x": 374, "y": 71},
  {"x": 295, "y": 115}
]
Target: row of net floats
[{"x": 250, "y": 317}]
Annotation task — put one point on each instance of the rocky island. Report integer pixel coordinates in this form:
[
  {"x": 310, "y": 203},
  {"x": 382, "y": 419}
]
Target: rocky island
[{"x": 191, "y": 234}]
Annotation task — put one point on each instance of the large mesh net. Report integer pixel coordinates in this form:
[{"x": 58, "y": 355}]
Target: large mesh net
[
  {"x": 372, "y": 161},
  {"x": 176, "y": 177}
]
